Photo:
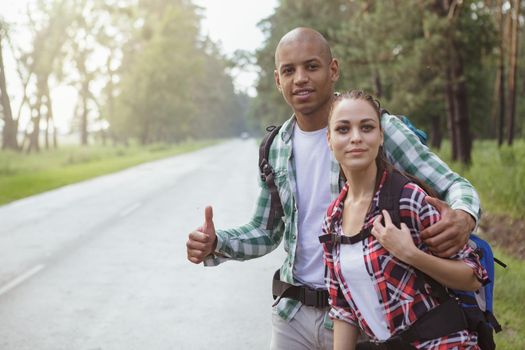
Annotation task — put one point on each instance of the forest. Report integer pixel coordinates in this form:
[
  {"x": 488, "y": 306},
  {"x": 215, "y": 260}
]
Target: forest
[
  {"x": 452, "y": 66},
  {"x": 143, "y": 71}
]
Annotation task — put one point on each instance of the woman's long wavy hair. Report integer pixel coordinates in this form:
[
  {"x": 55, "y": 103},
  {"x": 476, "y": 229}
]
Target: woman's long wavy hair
[{"x": 381, "y": 160}]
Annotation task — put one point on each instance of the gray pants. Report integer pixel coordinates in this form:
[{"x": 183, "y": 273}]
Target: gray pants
[{"x": 304, "y": 332}]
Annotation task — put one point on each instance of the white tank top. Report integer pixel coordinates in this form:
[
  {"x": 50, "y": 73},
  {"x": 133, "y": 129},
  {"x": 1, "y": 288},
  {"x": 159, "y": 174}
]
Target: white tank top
[
  {"x": 362, "y": 288},
  {"x": 312, "y": 162}
]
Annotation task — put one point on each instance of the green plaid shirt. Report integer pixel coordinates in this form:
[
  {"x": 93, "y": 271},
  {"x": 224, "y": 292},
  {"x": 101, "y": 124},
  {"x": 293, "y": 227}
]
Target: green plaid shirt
[{"x": 404, "y": 151}]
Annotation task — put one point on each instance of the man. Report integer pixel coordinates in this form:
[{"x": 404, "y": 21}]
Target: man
[{"x": 307, "y": 177}]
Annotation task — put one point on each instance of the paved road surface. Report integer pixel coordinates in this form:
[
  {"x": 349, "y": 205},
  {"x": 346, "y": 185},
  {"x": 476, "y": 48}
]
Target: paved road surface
[{"x": 101, "y": 265}]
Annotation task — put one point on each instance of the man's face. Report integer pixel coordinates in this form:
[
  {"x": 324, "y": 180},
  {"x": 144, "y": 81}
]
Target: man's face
[{"x": 305, "y": 76}]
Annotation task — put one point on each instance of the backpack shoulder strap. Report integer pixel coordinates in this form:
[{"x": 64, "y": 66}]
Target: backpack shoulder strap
[
  {"x": 266, "y": 143},
  {"x": 268, "y": 175},
  {"x": 389, "y": 200},
  {"x": 391, "y": 193}
]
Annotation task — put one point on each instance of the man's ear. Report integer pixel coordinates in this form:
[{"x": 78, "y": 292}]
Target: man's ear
[
  {"x": 277, "y": 80},
  {"x": 334, "y": 70}
]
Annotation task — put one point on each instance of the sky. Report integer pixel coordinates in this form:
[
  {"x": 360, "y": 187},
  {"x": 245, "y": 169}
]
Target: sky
[{"x": 231, "y": 23}]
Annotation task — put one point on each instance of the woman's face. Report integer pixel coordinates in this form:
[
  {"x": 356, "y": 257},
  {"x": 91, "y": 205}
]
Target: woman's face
[{"x": 354, "y": 134}]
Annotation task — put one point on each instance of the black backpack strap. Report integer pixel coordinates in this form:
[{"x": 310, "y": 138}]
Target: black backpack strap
[
  {"x": 307, "y": 296},
  {"x": 391, "y": 193},
  {"x": 268, "y": 175},
  {"x": 389, "y": 200}
]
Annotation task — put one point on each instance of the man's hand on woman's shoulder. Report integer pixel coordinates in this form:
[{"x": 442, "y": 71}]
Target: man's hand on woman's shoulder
[{"x": 447, "y": 236}]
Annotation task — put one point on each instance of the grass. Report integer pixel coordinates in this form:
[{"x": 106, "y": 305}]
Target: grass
[
  {"x": 509, "y": 299},
  {"x": 498, "y": 174},
  {"x": 22, "y": 175}
]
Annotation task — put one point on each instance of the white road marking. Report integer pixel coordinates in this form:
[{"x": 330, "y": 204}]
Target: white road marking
[
  {"x": 130, "y": 209},
  {"x": 6, "y": 288}
]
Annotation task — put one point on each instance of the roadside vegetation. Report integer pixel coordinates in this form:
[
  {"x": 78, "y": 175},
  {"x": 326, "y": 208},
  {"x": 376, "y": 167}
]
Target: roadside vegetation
[
  {"x": 509, "y": 296},
  {"x": 499, "y": 176},
  {"x": 22, "y": 175}
]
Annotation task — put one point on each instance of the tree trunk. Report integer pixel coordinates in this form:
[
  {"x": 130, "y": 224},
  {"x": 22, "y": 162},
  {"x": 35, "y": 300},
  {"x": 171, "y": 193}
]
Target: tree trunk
[
  {"x": 451, "y": 110},
  {"x": 50, "y": 127},
  {"x": 48, "y": 120},
  {"x": 501, "y": 75},
  {"x": 377, "y": 84},
  {"x": 436, "y": 134},
  {"x": 55, "y": 137},
  {"x": 513, "y": 56},
  {"x": 84, "y": 117},
  {"x": 456, "y": 89},
  {"x": 464, "y": 140},
  {"x": 457, "y": 108},
  {"x": 35, "y": 122},
  {"x": 501, "y": 101},
  {"x": 9, "y": 132}
]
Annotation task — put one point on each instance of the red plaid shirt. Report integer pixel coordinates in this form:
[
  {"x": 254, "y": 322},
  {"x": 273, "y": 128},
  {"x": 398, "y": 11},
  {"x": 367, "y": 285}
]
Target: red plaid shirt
[{"x": 395, "y": 281}]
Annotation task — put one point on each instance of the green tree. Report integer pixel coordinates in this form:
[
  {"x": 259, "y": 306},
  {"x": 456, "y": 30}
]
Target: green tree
[
  {"x": 174, "y": 83},
  {"x": 406, "y": 52},
  {"x": 10, "y": 125},
  {"x": 48, "y": 21}
]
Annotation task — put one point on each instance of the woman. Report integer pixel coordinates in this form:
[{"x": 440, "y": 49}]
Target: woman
[{"x": 373, "y": 283}]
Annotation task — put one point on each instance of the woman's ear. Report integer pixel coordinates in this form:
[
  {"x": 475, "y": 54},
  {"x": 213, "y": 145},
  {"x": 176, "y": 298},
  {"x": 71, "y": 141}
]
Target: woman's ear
[{"x": 328, "y": 140}]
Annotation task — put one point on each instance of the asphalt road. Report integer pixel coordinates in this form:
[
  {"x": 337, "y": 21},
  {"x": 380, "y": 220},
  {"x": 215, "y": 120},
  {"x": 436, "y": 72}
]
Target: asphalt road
[{"x": 102, "y": 264}]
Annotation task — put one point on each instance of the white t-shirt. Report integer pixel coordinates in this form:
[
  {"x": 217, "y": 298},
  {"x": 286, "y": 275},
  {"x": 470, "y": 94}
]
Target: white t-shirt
[
  {"x": 360, "y": 284},
  {"x": 312, "y": 160}
]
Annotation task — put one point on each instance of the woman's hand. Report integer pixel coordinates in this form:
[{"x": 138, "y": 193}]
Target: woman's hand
[{"x": 397, "y": 241}]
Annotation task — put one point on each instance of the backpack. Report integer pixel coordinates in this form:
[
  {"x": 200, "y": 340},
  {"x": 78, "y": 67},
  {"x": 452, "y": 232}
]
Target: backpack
[{"x": 458, "y": 309}]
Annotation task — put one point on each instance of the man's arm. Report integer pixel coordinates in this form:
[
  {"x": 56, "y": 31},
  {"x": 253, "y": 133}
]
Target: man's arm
[
  {"x": 241, "y": 243},
  {"x": 406, "y": 152}
]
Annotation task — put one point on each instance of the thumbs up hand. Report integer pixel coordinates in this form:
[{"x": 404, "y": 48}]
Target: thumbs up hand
[{"x": 203, "y": 241}]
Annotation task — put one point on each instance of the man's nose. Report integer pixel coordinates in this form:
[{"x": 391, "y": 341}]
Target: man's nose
[{"x": 301, "y": 76}]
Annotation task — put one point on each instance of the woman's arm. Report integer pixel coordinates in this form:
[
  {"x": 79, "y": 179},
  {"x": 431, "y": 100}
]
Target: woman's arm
[
  {"x": 345, "y": 335},
  {"x": 454, "y": 274}
]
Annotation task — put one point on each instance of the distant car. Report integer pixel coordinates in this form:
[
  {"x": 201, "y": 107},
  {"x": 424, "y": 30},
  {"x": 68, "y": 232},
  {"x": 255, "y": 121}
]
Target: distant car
[{"x": 245, "y": 135}]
